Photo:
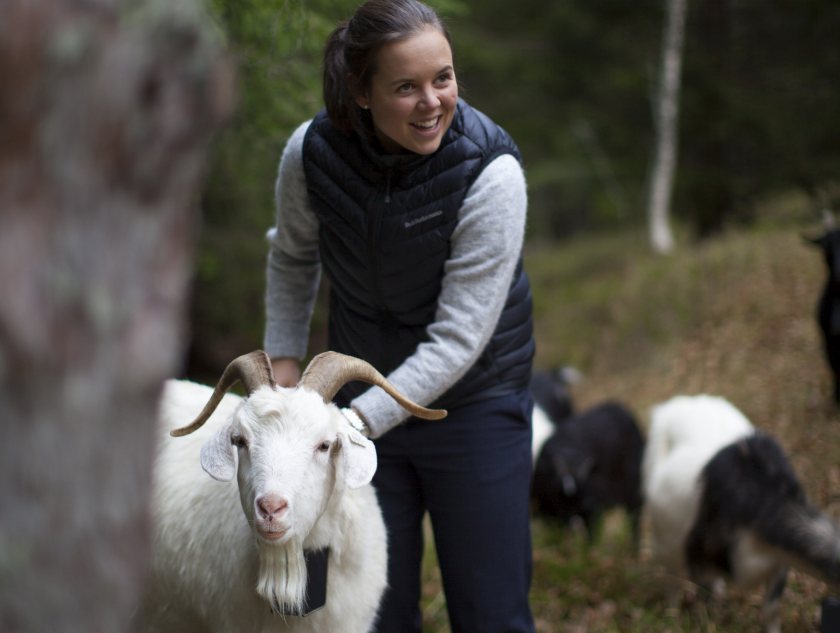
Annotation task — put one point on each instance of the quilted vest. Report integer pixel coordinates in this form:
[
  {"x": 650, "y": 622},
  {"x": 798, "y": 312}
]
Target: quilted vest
[{"x": 385, "y": 226}]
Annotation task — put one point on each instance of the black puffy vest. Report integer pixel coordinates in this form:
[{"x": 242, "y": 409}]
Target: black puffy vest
[{"x": 385, "y": 225}]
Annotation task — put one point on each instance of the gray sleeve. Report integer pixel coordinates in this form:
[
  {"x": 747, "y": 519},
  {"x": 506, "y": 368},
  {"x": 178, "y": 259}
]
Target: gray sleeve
[
  {"x": 293, "y": 269},
  {"x": 486, "y": 246}
]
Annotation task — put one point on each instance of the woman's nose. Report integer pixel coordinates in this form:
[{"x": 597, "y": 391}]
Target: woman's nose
[{"x": 430, "y": 98}]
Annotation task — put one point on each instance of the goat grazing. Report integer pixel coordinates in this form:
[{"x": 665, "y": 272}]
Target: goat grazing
[
  {"x": 828, "y": 309},
  {"x": 725, "y": 504},
  {"x": 590, "y": 463},
  {"x": 552, "y": 402},
  {"x": 302, "y": 475},
  {"x": 551, "y": 389}
]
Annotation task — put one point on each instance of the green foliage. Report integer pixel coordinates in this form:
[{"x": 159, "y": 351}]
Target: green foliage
[
  {"x": 276, "y": 46},
  {"x": 759, "y": 101},
  {"x": 570, "y": 80}
]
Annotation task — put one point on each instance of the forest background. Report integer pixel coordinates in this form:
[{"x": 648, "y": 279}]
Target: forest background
[{"x": 574, "y": 82}]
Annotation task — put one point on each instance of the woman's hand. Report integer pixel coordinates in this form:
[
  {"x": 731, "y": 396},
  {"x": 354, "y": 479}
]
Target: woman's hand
[{"x": 286, "y": 371}]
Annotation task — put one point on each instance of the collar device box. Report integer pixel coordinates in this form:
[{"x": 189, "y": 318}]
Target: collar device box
[{"x": 316, "y": 582}]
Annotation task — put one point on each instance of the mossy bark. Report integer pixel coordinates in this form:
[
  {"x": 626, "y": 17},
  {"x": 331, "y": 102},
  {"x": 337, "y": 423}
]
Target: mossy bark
[{"x": 106, "y": 112}]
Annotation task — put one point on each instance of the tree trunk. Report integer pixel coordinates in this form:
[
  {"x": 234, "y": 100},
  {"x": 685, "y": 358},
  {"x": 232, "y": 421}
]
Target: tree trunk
[
  {"x": 667, "y": 111},
  {"x": 106, "y": 111}
]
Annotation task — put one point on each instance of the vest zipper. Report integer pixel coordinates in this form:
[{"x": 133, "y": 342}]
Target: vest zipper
[{"x": 373, "y": 245}]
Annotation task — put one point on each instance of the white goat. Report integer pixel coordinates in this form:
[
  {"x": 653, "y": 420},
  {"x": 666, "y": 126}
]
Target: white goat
[
  {"x": 302, "y": 474},
  {"x": 725, "y": 505}
]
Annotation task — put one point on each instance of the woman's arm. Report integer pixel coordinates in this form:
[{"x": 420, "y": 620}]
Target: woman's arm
[{"x": 293, "y": 269}]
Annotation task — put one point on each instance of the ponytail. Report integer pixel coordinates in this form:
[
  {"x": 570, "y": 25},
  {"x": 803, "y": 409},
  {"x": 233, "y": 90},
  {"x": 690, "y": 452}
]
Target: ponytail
[{"x": 339, "y": 96}]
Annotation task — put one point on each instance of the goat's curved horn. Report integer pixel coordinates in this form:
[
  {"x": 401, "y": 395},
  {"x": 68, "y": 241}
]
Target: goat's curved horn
[
  {"x": 254, "y": 370},
  {"x": 330, "y": 371}
]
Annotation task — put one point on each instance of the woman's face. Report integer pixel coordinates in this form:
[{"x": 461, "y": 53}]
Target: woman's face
[{"x": 413, "y": 93}]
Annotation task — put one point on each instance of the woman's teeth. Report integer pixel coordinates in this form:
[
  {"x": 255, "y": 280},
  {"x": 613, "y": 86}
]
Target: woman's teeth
[{"x": 427, "y": 125}]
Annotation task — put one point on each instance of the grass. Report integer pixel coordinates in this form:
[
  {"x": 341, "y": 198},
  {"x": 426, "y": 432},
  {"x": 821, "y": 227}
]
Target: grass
[{"x": 733, "y": 317}]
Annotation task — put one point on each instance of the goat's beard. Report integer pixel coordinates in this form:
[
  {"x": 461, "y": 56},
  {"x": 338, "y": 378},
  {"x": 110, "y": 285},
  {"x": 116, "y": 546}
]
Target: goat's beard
[{"x": 282, "y": 576}]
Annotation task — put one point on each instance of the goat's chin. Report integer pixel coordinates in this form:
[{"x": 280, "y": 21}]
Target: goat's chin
[
  {"x": 274, "y": 539},
  {"x": 281, "y": 580}
]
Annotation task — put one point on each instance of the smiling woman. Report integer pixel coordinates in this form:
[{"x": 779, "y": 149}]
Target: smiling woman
[
  {"x": 413, "y": 204},
  {"x": 413, "y": 94}
]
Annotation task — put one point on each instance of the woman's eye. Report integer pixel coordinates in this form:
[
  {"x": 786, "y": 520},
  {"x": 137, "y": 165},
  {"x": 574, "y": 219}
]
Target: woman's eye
[
  {"x": 405, "y": 87},
  {"x": 239, "y": 441},
  {"x": 324, "y": 446}
]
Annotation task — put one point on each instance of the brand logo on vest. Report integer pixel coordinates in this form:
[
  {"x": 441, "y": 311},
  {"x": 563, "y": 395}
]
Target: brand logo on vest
[{"x": 423, "y": 218}]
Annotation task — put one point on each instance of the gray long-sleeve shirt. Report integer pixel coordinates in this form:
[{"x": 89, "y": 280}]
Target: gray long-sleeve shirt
[{"x": 486, "y": 245}]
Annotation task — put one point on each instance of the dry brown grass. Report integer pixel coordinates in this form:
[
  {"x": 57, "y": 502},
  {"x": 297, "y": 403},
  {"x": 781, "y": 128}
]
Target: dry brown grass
[{"x": 732, "y": 317}]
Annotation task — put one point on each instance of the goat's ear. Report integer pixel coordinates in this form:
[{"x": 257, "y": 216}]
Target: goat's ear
[
  {"x": 218, "y": 456},
  {"x": 359, "y": 458}
]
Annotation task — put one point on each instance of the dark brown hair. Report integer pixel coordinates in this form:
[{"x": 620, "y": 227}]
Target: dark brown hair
[{"x": 351, "y": 49}]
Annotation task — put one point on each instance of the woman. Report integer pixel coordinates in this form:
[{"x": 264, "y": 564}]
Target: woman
[{"x": 413, "y": 204}]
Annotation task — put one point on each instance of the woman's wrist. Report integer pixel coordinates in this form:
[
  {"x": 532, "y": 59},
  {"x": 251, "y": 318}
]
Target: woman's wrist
[{"x": 286, "y": 371}]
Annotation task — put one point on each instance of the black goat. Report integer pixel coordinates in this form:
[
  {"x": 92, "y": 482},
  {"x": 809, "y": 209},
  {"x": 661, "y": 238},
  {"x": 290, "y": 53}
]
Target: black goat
[
  {"x": 591, "y": 463},
  {"x": 552, "y": 392},
  {"x": 553, "y": 402},
  {"x": 754, "y": 521},
  {"x": 828, "y": 309}
]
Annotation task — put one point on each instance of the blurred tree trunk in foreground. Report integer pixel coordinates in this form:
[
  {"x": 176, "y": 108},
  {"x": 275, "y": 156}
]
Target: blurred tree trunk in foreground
[
  {"x": 666, "y": 118},
  {"x": 106, "y": 111}
]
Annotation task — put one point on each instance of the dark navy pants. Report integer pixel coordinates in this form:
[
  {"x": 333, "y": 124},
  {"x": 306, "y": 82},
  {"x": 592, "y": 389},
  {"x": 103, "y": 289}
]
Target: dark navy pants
[{"x": 471, "y": 472}]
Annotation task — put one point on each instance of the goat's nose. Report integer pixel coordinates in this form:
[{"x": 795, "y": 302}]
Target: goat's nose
[{"x": 271, "y": 505}]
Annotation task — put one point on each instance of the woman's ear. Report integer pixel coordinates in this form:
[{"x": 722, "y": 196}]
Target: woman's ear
[{"x": 363, "y": 102}]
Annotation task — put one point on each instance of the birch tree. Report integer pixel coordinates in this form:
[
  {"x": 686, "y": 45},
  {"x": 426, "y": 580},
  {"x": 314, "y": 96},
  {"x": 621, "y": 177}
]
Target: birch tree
[
  {"x": 666, "y": 117},
  {"x": 106, "y": 111}
]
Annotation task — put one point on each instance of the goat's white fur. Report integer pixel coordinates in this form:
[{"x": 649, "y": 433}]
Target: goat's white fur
[
  {"x": 211, "y": 570},
  {"x": 685, "y": 432},
  {"x": 542, "y": 429}
]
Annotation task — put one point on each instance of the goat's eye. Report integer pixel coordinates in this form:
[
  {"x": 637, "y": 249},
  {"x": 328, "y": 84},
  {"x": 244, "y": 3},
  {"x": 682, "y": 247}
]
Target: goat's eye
[
  {"x": 239, "y": 441},
  {"x": 324, "y": 446}
]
